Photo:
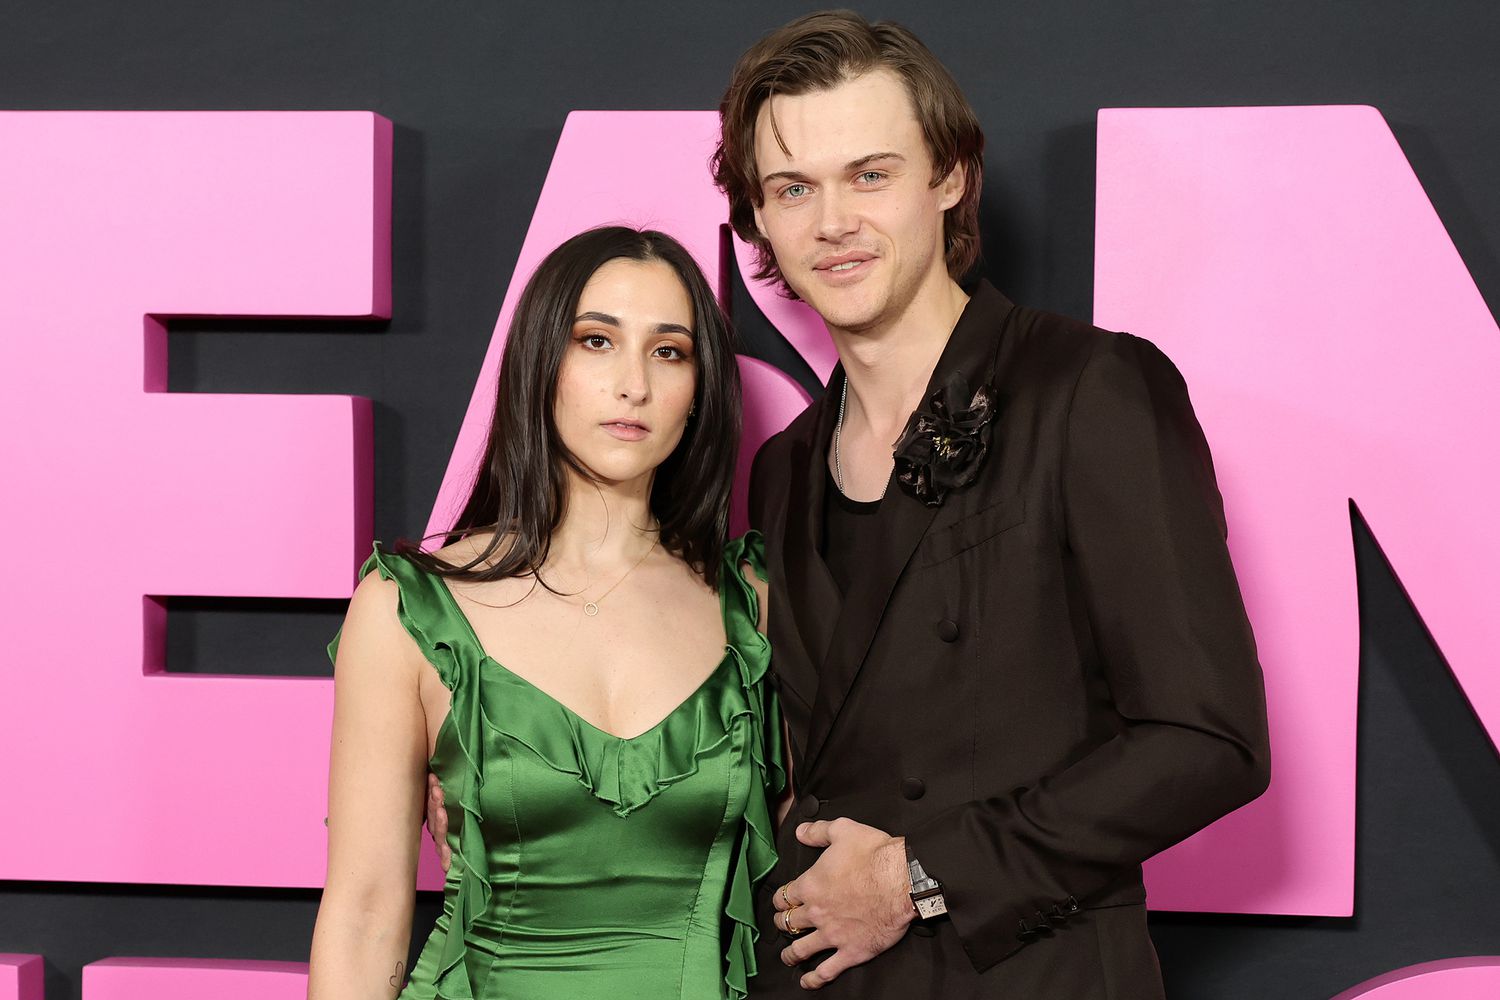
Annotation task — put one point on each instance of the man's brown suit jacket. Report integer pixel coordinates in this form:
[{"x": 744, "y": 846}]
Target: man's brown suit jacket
[{"x": 1040, "y": 683}]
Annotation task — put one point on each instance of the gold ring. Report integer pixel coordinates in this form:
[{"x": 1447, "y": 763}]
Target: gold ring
[
  {"x": 788, "y": 902},
  {"x": 792, "y": 931}
]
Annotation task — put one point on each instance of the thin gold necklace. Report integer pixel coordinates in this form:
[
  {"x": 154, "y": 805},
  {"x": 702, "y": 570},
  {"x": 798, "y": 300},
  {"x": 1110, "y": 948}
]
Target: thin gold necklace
[{"x": 591, "y": 608}]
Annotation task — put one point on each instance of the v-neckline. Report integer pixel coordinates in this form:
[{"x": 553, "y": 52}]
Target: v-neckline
[{"x": 457, "y": 609}]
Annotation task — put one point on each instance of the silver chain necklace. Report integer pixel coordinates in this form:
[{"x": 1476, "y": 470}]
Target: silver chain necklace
[{"x": 838, "y": 433}]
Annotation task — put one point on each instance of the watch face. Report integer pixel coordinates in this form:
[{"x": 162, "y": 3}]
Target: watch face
[{"x": 932, "y": 906}]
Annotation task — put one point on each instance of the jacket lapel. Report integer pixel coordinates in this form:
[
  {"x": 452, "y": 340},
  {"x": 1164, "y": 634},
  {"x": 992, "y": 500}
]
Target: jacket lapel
[
  {"x": 900, "y": 524},
  {"x": 815, "y": 602}
]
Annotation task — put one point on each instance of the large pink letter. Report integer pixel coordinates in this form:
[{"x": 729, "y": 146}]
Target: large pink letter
[
  {"x": 20, "y": 977},
  {"x": 193, "y": 979},
  {"x": 1475, "y": 978},
  {"x": 123, "y": 493},
  {"x": 1336, "y": 348}
]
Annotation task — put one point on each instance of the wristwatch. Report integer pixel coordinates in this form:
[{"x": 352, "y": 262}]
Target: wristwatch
[{"x": 926, "y": 891}]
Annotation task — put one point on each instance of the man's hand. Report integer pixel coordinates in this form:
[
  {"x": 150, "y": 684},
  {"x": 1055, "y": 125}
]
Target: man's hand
[
  {"x": 854, "y": 901},
  {"x": 437, "y": 820}
]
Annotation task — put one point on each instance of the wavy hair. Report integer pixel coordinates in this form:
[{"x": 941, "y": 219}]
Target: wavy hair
[{"x": 818, "y": 52}]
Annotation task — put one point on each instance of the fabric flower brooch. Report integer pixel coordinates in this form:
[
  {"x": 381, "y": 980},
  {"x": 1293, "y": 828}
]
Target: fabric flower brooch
[{"x": 944, "y": 443}]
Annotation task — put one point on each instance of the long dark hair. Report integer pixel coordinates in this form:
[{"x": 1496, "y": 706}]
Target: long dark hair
[{"x": 520, "y": 490}]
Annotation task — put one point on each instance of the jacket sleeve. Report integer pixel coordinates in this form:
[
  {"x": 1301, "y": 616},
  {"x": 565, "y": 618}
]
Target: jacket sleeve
[
  {"x": 1145, "y": 540},
  {"x": 760, "y": 485}
]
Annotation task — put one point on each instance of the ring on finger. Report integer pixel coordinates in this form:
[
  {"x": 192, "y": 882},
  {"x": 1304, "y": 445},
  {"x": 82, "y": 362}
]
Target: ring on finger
[
  {"x": 784, "y": 898},
  {"x": 792, "y": 931}
]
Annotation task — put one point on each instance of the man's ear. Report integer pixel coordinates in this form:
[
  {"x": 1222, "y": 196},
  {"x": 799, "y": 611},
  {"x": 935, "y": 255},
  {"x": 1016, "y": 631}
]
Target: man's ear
[
  {"x": 952, "y": 186},
  {"x": 759, "y": 226}
]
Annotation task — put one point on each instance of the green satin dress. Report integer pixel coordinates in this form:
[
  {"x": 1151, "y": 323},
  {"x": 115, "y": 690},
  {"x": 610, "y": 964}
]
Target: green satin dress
[{"x": 588, "y": 866}]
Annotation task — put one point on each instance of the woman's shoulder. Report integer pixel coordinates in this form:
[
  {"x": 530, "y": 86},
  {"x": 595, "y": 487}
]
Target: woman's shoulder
[
  {"x": 404, "y": 559},
  {"x": 401, "y": 604},
  {"x": 397, "y": 583},
  {"x": 373, "y": 626},
  {"x": 472, "y": 550}
]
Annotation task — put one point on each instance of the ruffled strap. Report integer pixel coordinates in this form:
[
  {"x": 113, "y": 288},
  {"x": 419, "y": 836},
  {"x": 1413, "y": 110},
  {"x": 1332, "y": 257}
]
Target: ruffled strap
[
  {"x": 430, "y": 616},
  {"x": 756, "y": 852}
]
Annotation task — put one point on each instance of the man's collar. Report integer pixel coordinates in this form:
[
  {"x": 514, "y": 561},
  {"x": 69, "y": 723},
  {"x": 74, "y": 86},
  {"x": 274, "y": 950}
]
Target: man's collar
[
  {"x": 971, "y": 346},
  {"x": 970, "y": 349}
]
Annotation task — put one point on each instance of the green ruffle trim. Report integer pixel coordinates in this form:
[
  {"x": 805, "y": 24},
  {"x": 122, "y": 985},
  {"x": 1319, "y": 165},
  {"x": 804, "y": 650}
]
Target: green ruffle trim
[
  {"x": 624, "y": 774},
  {"x": 757, "y": 848}
]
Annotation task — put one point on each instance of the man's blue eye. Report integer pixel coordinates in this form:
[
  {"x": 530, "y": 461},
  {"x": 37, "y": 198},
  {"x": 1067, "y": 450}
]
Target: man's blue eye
[
  {"x": 796, "y": 190},
  {"x": 872, "y": 176}
]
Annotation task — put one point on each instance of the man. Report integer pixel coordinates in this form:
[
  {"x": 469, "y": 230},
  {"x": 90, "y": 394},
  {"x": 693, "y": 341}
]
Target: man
[
  {"x": 1007, "y": 636},
  {"x": 1009, "y": 643}
]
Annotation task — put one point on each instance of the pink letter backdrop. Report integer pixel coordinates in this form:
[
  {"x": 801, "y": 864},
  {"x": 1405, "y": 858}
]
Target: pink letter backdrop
[
  {"x": 1286, "y": 259},
  {"x": 1475, "y": 978},
  {"x": 194, "y": 979},
  {"x": 20, "y": 977},
  {"x": 118, "y": 492}
]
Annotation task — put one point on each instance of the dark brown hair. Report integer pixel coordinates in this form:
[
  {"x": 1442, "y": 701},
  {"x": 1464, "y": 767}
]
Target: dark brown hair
[
  {"x": 520, "y": 490},
  {"x": 818, "y": 52}
]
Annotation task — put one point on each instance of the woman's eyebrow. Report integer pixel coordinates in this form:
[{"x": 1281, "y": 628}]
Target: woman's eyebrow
[
  {"x": 597, "y": 317},
  {"x": 608, "y": 320}
]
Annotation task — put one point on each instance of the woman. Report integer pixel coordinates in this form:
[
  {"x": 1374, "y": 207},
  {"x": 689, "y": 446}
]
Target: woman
[{"x": 581, "y": 666}]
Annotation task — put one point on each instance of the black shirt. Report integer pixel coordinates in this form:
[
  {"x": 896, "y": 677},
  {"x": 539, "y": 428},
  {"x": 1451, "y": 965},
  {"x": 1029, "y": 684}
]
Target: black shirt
[{"x": 846, "y": 529}]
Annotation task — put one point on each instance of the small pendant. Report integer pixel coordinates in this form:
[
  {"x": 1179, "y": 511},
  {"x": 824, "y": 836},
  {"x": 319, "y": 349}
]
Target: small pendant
[{"x": 591, "y": 609}]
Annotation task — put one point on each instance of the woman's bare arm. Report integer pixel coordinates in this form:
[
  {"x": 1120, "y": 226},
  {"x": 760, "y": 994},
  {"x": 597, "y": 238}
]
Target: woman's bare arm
[{"x": 375, "y": 791}]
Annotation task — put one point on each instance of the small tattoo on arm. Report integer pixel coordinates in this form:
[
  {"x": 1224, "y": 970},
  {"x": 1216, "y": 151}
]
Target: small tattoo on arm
[{"x": 395, "y": 980}]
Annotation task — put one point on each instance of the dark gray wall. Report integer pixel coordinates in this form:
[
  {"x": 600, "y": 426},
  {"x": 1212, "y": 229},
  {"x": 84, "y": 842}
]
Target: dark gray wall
[{"x": 479, "y": 91}]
